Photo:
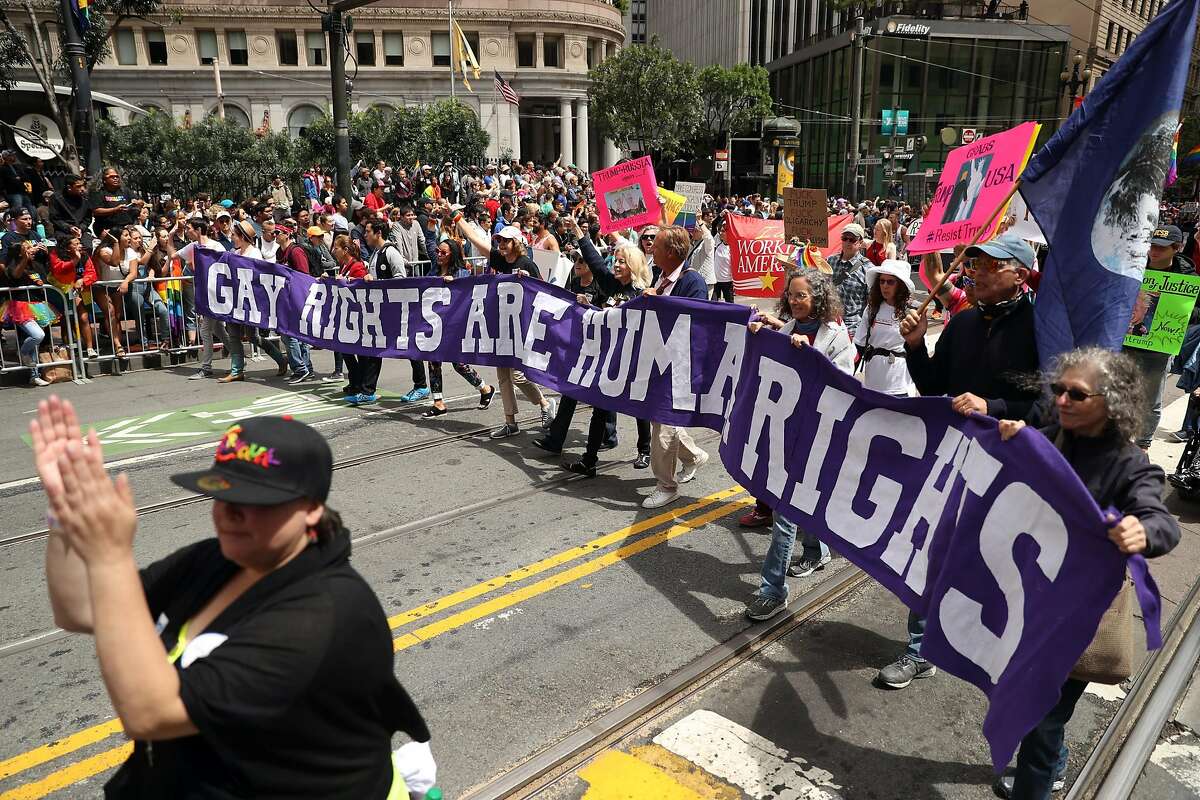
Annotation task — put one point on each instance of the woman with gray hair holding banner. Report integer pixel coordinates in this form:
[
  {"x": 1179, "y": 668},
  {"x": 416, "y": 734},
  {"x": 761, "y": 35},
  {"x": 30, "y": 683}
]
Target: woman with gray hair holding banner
[{"x": 1099, "y": 404}]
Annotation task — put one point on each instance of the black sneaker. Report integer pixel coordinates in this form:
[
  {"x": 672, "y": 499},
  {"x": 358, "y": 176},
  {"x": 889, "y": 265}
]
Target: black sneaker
[
  {"x": 761, "y": 608},
  {"x": 544, "y": 443},
  {"x": 580, "y": 468},
  {"x": 1179, "y": 437},
  {"x": 642, "y": 461},
  {"x": 1003, "y": 786},
  {"x": 300, "y": 377},
  {"x": 901, "y": 673}
]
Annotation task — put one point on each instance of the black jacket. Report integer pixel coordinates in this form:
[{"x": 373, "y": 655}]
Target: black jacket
[
  {"x": 1119, "y": 474},
  {"x": 984, "y": 356}
]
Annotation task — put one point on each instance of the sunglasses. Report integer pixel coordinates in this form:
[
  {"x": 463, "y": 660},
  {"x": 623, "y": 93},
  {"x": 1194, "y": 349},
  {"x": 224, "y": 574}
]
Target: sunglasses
[
  {"x": 888, "y": 281},
  {"x": 849, "y": 237},
  {"x": 1078, "y": 395}
]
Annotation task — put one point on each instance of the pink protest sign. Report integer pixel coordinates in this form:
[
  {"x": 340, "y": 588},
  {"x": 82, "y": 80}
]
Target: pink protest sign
[
  {"x": 976, "y": 179},
  {"x": 626, "y": 195}
]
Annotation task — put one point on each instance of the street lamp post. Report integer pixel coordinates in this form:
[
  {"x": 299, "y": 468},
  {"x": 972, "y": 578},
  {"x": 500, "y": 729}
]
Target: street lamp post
[{"x": 1075, "y": 82}]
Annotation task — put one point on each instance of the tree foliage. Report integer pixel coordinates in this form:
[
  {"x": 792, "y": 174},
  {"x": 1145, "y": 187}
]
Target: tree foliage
[
  {"x": 735, "y": 100},
  {"x": 646, "y": 99}
]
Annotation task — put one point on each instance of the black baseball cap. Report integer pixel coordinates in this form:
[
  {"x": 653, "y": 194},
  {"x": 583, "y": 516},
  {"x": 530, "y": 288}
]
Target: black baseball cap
[
  {"x": 1166, "y": 235},
  {"x": 265, "y": 461}
]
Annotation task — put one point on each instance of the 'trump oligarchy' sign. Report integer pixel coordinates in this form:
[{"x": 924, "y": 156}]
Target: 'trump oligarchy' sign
[{"x": 997, "y": 543}]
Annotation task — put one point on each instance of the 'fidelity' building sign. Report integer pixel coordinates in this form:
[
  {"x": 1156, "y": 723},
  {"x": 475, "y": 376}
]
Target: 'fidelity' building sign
[{"x": 895, "y": 28}]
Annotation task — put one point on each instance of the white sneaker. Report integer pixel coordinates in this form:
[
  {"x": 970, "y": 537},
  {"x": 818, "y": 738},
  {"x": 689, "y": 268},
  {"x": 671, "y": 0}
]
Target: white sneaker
[
  {"x": 38, "y": 380},
  {"x": 660, "y": 499},
  {"x": 689, "y": 471}
]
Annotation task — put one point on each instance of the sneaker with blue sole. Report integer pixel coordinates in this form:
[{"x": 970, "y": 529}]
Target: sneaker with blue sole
[
  {"x": 416, "y": 395},
  {"x": 368, "y": 398},
  {"x": 353, "y": 399}
]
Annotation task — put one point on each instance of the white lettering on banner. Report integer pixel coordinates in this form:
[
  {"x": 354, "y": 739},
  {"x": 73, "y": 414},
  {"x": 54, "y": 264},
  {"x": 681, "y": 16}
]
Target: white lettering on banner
[
  {"x": 587, "y": 366},
  {"x": 246, "y": 309},
  {"x": 1016, "y": 510},
  {"x": 220, "y": 294},
  {"x": 624, "y": 323},
  {"x": 543, "y": 302},
  {"x": 904, "y": 429},
  {"x": 672, "y": 353},
  {"x": 831, "y": 409},
  {"x": 903, "y": 555},
  {"x": 772, "y": 414},
  {"x": 509, "y": 342},
  {"x": 477, "y": 338},
  {"x": 310, "y": 315},
  {"x": 347, "y": 329},
  {"x": 272, "y": 285},
  {"x": 406, "y": 297},
  {"x": 371, "y": 303},
  {"x": 436, "y": 296},
  {"x": 715, "y": 401}
]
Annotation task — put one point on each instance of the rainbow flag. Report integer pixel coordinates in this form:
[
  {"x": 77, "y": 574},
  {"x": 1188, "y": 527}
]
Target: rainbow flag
[
  {"x": 1173, "y": 169},
  {"x": 80, "y": 7}
]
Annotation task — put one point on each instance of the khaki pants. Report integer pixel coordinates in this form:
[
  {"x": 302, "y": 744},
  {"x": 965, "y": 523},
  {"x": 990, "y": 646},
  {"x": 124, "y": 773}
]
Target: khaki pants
[
  {"x": 507, "y": 378},
  {"x": 670, "y": 446}
]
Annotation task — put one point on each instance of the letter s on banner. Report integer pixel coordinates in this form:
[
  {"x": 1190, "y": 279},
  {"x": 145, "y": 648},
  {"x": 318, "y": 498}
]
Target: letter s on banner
[{"x": 1016, "y": 510}]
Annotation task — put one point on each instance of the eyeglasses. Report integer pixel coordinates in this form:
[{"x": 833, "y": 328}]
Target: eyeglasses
[{"x": 1078, "y": 395}]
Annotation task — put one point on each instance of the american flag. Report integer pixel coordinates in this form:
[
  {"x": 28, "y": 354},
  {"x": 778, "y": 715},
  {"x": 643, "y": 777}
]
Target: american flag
[{"x": 508, "y": 92}]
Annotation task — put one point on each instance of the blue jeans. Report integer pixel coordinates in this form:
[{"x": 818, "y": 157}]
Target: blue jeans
[
  {"x": 139, "y": 294},
  {"x": 299, "y": 355},
  {"x": 779, "y": 556},
  {"x": 1153, "y": 367},
  {"x": 1043, "y": 753},
  {"x": 30, "y": 344},
  {"x": 916, "y": 633}
]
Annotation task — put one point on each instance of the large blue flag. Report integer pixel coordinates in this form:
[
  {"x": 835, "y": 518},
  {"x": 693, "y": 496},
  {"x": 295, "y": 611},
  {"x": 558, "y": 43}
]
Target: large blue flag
[{"x": 1094, "y": 188}]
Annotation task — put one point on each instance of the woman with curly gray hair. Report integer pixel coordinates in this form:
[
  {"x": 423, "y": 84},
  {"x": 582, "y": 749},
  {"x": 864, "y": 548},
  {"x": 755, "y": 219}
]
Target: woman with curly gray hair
[
  {"x": 1097, "y": 396},
  {"x": 812, "y": 317}
]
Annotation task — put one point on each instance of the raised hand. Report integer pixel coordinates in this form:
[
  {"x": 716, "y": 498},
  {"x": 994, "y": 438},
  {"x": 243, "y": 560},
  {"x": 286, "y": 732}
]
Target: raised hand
[
  {"x": 55, "y": 426},
  {"x": 96, "y": 513}
]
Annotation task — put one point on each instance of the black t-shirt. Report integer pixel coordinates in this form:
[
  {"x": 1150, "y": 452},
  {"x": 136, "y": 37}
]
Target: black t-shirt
[
  {"x": 41, "y": 261},
  {"x": 105, "y": 198},
  {"x": 291, "y": 687},
  {"x": 499, "y": 264}
]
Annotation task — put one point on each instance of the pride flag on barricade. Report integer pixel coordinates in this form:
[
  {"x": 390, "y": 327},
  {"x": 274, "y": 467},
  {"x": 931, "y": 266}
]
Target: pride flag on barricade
[{"x": 1094, "y": 188}]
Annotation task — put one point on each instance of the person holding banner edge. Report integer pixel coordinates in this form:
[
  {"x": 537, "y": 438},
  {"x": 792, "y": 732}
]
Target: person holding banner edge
[
  {"x": 1099, "y": 405},
  {"x": 978, "y": 361}
]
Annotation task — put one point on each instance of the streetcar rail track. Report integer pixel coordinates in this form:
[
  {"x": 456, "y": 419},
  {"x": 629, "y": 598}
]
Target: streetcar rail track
[
  {"x": 354, "y": 461},
  {"x": 544, "y": 769},
  {"x": 35, "y": 640}
]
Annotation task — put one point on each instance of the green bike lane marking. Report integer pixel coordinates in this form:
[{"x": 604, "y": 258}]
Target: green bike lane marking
[{"x": 182, "y": 426}]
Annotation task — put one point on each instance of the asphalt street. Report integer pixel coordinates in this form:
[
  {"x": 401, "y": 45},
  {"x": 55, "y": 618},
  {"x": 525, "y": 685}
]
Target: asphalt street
[{"x": 525, "y": 602}]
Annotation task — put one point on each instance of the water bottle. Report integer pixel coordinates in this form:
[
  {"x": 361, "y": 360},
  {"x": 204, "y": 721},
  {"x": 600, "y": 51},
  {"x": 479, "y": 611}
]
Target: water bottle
[
  {"x": 41, "y": 231},
  {"x": 433, "y": 794}
]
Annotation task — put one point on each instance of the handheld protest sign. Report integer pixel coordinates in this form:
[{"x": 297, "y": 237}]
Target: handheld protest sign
[
  {"x": 672, "y": 203},
  {"x": 693, "y": 194},
  {"x": 753, "y": 246},
  {"x": 975, "y": 188},
  {"x": 626, "y": 195},
  {"x": 806, "y": 215},
  {"x": 1162, "y": 311}
]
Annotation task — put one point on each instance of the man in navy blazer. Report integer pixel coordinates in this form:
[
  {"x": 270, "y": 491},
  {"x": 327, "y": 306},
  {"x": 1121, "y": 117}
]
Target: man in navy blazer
[{"x": 671, "y": 446}]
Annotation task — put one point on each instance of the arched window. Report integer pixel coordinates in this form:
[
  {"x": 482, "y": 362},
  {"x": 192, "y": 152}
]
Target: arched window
[
  {"x": 301, "y": 117},
  {"x": 233, "y": 114}
]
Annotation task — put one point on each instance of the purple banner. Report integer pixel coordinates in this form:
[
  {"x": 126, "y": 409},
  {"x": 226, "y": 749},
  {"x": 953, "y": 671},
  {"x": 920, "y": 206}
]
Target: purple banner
[{"x": 997, "y": 543}]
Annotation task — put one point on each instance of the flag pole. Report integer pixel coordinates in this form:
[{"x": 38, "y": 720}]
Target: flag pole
[
  {"x": 451, "y": 42},
  {"x": 954, "y": 265}
]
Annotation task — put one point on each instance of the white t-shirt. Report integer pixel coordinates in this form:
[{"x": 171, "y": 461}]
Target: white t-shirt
[
  {"x": 878, "y": 373},
  {"x": 250, "y": 252},
  {"x": 187, "y": 253},
  {"x": 721, "y": 263},
  {"x": 269, "y": 249}
]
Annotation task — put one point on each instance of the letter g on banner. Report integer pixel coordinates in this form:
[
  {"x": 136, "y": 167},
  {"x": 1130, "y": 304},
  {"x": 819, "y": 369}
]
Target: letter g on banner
[
  {"x": 1017, "y": 510},
  {"x": 220, "y": 293}
]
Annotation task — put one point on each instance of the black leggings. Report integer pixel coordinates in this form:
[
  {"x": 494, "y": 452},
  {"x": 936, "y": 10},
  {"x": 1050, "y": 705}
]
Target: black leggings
[
  {"x": 722, "y": 290},
  {"x": 435, "y": 377},
  {"x": 598, "y": 431}
]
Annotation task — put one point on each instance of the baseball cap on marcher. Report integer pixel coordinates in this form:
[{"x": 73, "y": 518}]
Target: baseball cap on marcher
[
  {"x": 1004, "y": 246},
  {"x": 265, "y": 461},
  {"x": 855, "y": 229},
  {"x": 510, "y": 232},
  {"x": 1166, "y": 235}
]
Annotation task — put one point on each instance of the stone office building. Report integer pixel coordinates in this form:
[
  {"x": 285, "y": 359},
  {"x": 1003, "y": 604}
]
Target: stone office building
[{"x": 274, "y": 65}]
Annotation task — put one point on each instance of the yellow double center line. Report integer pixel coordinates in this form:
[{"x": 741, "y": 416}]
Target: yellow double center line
[{"x": 107, "y": 759}]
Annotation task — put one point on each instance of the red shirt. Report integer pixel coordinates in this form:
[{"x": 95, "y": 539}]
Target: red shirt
[
  {"x": 355, "y": 270},
  {"x": 876, "y": 253},
  {"x": 293, "y": 257},
  {"x": 373, "y": 202}
]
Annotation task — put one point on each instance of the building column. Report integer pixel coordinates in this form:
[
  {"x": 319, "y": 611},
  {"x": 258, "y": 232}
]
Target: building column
[
  {"x": 537, "y": 134},
  {"x": 566, "y": 140},
  {"x": 514, "y": 113},
  {"x": 611, "y": 154},
  {"x": 582, "y": 142}
]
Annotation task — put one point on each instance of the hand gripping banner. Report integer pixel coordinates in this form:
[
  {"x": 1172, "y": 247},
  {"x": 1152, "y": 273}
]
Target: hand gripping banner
[{"x": 997, "y": 543}]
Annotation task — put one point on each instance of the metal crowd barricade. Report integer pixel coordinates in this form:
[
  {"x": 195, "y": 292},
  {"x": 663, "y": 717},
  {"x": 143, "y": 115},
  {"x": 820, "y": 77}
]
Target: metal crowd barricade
[
  {"x": 67, "y": 322},
  {"x": 148, "y": 325}
]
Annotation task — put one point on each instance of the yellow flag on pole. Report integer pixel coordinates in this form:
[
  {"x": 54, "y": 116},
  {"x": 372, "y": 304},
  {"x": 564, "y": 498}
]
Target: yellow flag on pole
[{"x": 465, "y": 56}]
